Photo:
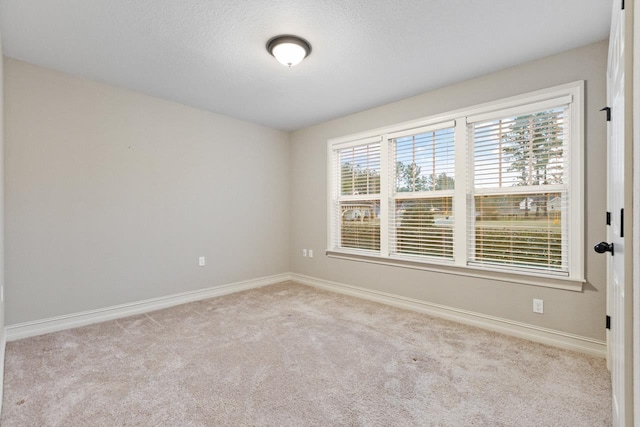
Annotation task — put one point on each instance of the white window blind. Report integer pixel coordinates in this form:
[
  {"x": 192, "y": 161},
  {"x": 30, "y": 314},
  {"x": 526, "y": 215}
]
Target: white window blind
[
  {"x": 517, "y": 212},
  {"x": 421, "y": 203},
  {"x": 357, "y": 202}
]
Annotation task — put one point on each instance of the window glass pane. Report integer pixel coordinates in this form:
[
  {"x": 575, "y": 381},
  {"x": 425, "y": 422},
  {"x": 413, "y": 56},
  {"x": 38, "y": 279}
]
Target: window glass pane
[
  {"x": 520, "y": 230},
  {"x": 520, "y": 151},
  {"x": 360, "y": 170},
  {"x": 425, "y": 162},
  {"x": 424, "y": 227},
  {"x": 360, "y": 224}
]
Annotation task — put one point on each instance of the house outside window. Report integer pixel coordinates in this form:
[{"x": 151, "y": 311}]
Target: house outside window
[{"x": 495, "y": 187}]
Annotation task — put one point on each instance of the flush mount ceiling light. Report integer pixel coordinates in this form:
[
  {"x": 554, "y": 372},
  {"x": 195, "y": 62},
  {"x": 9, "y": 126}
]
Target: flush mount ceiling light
[{"x": 289, "y": 50}]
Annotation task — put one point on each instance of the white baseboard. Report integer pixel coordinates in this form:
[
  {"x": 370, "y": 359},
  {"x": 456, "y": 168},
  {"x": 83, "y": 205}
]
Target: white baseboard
[
  {"x": 509, "y": 327},
  {"x": 3, "y": 346},
  {"x": 53, "y": 324}
]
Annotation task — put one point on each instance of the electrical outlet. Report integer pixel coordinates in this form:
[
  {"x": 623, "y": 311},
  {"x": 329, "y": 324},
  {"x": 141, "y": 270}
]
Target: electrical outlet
[
  {"x": 538, "y": 306},
  {"x": 304, "y": 252},
  {"x": 310, "y": 253},
  {"x": 201, "y": 261}
]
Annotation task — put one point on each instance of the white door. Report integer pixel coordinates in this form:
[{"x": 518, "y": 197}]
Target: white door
[{"x": 618, "y": 187}]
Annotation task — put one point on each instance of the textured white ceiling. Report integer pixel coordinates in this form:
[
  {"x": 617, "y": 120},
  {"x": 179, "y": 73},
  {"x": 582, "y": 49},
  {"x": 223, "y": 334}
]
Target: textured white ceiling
[{"x": 211, "y": 54}]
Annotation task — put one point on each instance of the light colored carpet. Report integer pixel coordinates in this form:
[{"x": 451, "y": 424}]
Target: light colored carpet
[{"x": 292, "y": 355}]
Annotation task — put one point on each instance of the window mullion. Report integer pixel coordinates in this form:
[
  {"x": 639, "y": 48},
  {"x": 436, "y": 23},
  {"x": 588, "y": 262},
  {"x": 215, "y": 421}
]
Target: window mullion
[
  {"x": 334, "y": 229},
  {"x": 460, "y": 231},
  {"x": 385, "y": 186}
]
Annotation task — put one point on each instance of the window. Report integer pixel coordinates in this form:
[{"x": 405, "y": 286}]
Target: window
[
  {"x": 422, "y": 192},
  {"x": 495, "y": 187},
  {"x": 357, "y": 206},
  {"x": 520, "y": 193}
]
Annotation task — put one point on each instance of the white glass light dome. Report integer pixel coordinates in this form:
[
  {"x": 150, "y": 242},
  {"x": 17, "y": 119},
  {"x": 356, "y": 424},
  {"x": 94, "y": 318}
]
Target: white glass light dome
[{"x": 289, "y": 50}]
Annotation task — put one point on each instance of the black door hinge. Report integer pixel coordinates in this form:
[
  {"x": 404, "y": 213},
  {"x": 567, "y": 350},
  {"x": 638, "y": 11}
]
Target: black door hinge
[
  {"x": 621, "y": 222},
  {"x": 608, "y": 218},
  {"x": 622, "y": 4},
  {"x": 608, "y": 110},
  {"x": 608, "y": 322}
]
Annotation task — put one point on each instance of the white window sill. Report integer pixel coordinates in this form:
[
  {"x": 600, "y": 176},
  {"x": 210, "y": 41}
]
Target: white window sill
[{"x": 559, "y": 282}]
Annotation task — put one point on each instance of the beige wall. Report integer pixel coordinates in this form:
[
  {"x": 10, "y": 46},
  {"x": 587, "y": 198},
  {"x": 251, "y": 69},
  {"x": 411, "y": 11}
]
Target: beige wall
[
  {"x": 580, "y": 313},
  {"x": 2, "y": 275},
  {"x": 111, "y": 196}
]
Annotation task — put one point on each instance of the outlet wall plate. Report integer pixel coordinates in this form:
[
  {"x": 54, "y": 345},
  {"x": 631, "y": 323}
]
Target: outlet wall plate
[{"x": 538, "y": 306}]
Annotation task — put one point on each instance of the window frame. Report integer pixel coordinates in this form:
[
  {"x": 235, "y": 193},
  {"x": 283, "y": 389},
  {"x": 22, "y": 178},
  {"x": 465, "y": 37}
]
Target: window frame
[
  {"x": 571, "y": 92},
  {"x": 525, "y": 190},
  {"x": 393, "y": 195},
  {"x": 336, "y": 195}
]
